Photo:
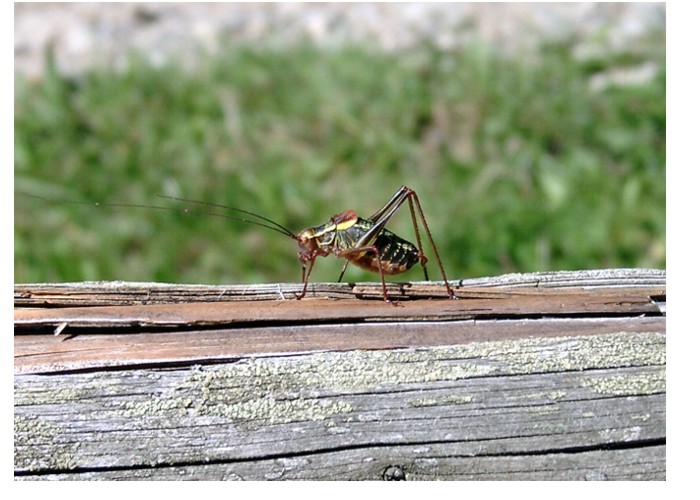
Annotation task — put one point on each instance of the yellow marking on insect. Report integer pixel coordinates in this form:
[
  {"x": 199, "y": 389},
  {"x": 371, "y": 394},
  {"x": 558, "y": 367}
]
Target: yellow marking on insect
[
  {"x": 344, "y": 220},
  {"x": 319, "y": 231},
  {"x": 346, "y": 225}
]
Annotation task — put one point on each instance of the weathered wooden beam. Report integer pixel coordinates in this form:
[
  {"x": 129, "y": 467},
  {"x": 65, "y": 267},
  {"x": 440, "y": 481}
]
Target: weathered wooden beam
[
  {"x": 94, "y": 349},
  {"x": 434, "y": 389},
  {"x": 438, "y": 412},
  {"x": 124, "y": 293}
]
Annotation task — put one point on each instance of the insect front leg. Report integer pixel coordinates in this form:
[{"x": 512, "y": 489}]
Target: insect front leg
[{"x": 305, "y": 273}]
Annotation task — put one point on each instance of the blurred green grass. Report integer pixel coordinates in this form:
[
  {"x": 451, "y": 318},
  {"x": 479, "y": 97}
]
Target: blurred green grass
[{"x": 521, "y": 164}]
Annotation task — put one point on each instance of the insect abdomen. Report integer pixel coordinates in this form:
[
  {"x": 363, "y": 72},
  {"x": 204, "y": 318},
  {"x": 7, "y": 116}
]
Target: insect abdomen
[{"x": 396, "y": 255}]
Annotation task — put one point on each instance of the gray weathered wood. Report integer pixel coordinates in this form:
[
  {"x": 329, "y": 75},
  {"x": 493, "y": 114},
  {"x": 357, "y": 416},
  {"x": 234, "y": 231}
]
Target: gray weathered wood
[
  {"x": 545, "y": 404},
  {"x": 490, "y": 394},
  {"x": 52, "y": 354}
]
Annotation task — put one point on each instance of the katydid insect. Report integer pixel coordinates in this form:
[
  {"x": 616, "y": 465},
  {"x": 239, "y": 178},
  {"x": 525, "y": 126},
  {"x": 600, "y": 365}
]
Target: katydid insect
[{"x": 365, "y": 243}]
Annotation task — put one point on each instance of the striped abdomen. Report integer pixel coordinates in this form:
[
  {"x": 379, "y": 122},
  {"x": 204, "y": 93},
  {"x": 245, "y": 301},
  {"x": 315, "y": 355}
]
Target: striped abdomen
[{"x": 396, "y": 255}]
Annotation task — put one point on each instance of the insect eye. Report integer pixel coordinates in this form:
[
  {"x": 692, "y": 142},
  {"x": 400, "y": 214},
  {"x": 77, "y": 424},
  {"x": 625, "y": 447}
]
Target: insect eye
[{"x": 305, "y": 236}]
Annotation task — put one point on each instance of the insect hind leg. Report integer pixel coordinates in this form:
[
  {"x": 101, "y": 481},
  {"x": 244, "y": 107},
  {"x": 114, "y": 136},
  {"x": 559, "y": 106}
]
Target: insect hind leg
[
  {"x": 421, "y": 256},
  {"x": 412, "y": 196},
  {"x": 381, "y": 217}
]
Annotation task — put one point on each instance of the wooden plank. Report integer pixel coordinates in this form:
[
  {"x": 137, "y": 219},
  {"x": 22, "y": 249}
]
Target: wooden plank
[
  {"x": 578, "y": 302},
  {"x": 125, "y": 293},
  {"x": 586, "y": 407},
  {"x": 414, "y": 462},
  {"x": 542, "y": 376},
  {"x": 48, "y": 353}
]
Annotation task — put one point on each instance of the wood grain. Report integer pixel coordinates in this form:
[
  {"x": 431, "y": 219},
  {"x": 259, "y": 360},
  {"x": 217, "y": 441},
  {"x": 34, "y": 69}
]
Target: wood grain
[{"x": 520, "y": 380}]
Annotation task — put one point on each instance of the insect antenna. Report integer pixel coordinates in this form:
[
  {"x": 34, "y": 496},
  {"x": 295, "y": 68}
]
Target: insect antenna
[
  {"x": 274, "y": 226},
  {"x": 277, "y": 226}
]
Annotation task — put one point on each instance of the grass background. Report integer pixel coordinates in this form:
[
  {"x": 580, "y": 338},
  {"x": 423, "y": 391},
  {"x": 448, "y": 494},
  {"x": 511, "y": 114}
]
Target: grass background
[{"x": 522, "y": 163}]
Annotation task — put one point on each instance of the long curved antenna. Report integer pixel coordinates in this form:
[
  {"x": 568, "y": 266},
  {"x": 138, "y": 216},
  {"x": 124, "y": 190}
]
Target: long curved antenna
[
  {"x": 226, "y": 207},
  {"x": 274, "y": 226}
]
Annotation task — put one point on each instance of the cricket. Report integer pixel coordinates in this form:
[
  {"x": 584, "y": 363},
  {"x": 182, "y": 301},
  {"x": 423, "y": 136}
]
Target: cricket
[{"x": 366, "y": 243}]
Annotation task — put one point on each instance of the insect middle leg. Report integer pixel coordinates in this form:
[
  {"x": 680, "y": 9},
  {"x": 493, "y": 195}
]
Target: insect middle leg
[
  {"x": 382, "y": 216},
  {"x": 348, "y": 254}
]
